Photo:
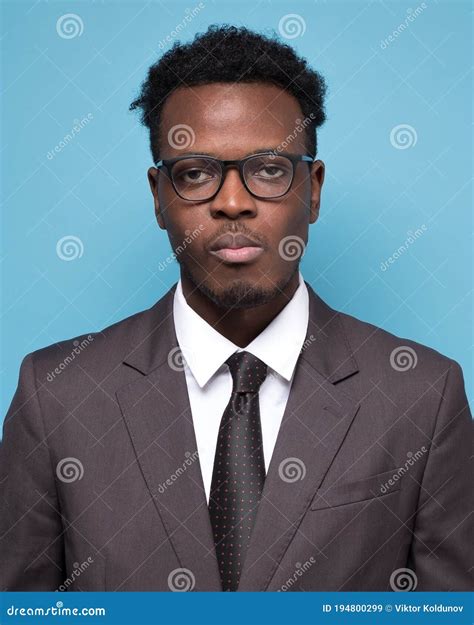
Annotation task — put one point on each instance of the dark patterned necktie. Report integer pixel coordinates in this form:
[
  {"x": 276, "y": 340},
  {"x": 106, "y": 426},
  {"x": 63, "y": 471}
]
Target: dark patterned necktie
[{"x": 239, "y": 469}]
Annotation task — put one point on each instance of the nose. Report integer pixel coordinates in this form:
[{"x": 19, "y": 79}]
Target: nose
[{"x": 233, "y": 200}]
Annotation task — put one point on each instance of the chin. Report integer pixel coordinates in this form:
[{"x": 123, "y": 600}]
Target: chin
[{"x": 240, "y": 294}]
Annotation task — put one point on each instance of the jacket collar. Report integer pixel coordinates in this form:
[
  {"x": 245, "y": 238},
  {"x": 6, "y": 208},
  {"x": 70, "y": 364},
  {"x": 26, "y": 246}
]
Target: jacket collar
[{"x": 325, "y": 348}]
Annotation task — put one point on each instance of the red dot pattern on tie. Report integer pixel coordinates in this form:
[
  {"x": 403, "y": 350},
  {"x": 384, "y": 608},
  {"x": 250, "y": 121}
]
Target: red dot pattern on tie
[{"x": 239, "y": 469}]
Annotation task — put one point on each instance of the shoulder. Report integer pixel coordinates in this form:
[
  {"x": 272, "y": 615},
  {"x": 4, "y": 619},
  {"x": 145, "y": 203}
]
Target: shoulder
[
  {"x": 97, "y": 352},
  {"x": 397, "y": 364},
  {"x": 398, "y": 361}
]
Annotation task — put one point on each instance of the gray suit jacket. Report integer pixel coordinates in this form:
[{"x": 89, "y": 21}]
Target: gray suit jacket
[{"x": 101, "y": 486}]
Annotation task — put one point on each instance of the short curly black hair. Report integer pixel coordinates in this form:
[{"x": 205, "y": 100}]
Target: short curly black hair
[{"x": 234, "y": 54}]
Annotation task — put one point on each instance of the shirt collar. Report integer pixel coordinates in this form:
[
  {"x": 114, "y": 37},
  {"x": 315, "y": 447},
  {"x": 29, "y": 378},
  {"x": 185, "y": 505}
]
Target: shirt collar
[{"x": 205, "y": 350}]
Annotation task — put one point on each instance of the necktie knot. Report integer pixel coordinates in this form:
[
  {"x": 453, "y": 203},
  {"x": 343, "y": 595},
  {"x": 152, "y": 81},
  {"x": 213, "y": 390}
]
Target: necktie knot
[{"x": 248, "y": 372}]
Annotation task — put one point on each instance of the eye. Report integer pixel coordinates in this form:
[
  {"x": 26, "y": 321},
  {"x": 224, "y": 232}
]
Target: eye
[
  {"x": 195, "y": 171},
  {"x": 195, "y": 176},
  {"x": 269, "y": 171}
]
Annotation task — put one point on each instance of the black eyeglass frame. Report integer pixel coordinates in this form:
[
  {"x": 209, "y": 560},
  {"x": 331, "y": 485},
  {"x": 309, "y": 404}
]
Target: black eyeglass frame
[{"x": 239, "y": 163}]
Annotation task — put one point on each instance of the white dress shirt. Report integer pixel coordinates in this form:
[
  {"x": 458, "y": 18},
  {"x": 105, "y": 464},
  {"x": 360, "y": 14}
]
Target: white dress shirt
[{"x": 209, "y": 381}]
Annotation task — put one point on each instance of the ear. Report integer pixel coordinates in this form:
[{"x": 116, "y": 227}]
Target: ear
[
  {"x": 153, "y": 176},
  {"x": 317, "y": 179}
]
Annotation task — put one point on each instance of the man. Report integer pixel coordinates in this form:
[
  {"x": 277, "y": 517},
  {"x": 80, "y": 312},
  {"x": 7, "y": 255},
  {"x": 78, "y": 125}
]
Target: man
[{"x": 240, "y": 434}]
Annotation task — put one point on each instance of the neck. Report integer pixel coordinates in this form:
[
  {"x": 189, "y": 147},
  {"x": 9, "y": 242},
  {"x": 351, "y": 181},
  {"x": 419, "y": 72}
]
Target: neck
[{"x": 239, "y": 325}]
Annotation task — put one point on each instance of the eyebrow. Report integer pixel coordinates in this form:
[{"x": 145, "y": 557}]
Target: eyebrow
[{"x": 257, "y": 151}]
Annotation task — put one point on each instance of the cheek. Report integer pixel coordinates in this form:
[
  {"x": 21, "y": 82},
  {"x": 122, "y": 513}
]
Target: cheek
[
  {"x": 291, "y": 221},
  {"x": 187, "y": 232},
  {"x": 289, "y": 237},
  {"x": 180, "y": 218}
]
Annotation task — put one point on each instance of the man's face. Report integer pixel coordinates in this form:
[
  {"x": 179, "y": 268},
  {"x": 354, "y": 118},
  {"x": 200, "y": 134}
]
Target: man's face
[{"x": 230, "y": 121}]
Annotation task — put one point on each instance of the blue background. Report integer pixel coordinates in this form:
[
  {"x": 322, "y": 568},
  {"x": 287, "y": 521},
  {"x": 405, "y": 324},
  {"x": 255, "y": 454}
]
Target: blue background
[{"x": 96, "y": 189}]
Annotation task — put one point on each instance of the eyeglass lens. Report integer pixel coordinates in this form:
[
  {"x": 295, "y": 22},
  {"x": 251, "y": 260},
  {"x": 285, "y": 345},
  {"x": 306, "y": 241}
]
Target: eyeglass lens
[{"x": 199, "y": 178}]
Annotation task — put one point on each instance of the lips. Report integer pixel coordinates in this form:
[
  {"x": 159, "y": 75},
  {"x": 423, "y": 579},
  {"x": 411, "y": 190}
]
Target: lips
[{"x": 235, "y": 248}]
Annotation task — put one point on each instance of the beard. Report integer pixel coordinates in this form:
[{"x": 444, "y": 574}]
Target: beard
[{"x": 240, "y": 294}]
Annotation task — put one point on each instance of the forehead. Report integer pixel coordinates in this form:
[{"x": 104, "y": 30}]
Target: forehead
[{"x": 230, "y": 119}]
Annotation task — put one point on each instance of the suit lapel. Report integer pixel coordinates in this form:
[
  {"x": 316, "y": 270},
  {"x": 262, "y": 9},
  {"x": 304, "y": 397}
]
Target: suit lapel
[
  {"x": 158, "y": 418},
  {"x": 316, "y": 419}
]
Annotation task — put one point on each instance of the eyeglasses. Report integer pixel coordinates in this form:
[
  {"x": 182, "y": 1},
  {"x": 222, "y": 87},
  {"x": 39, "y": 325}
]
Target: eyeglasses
[{"x": 198, "y": 178}]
